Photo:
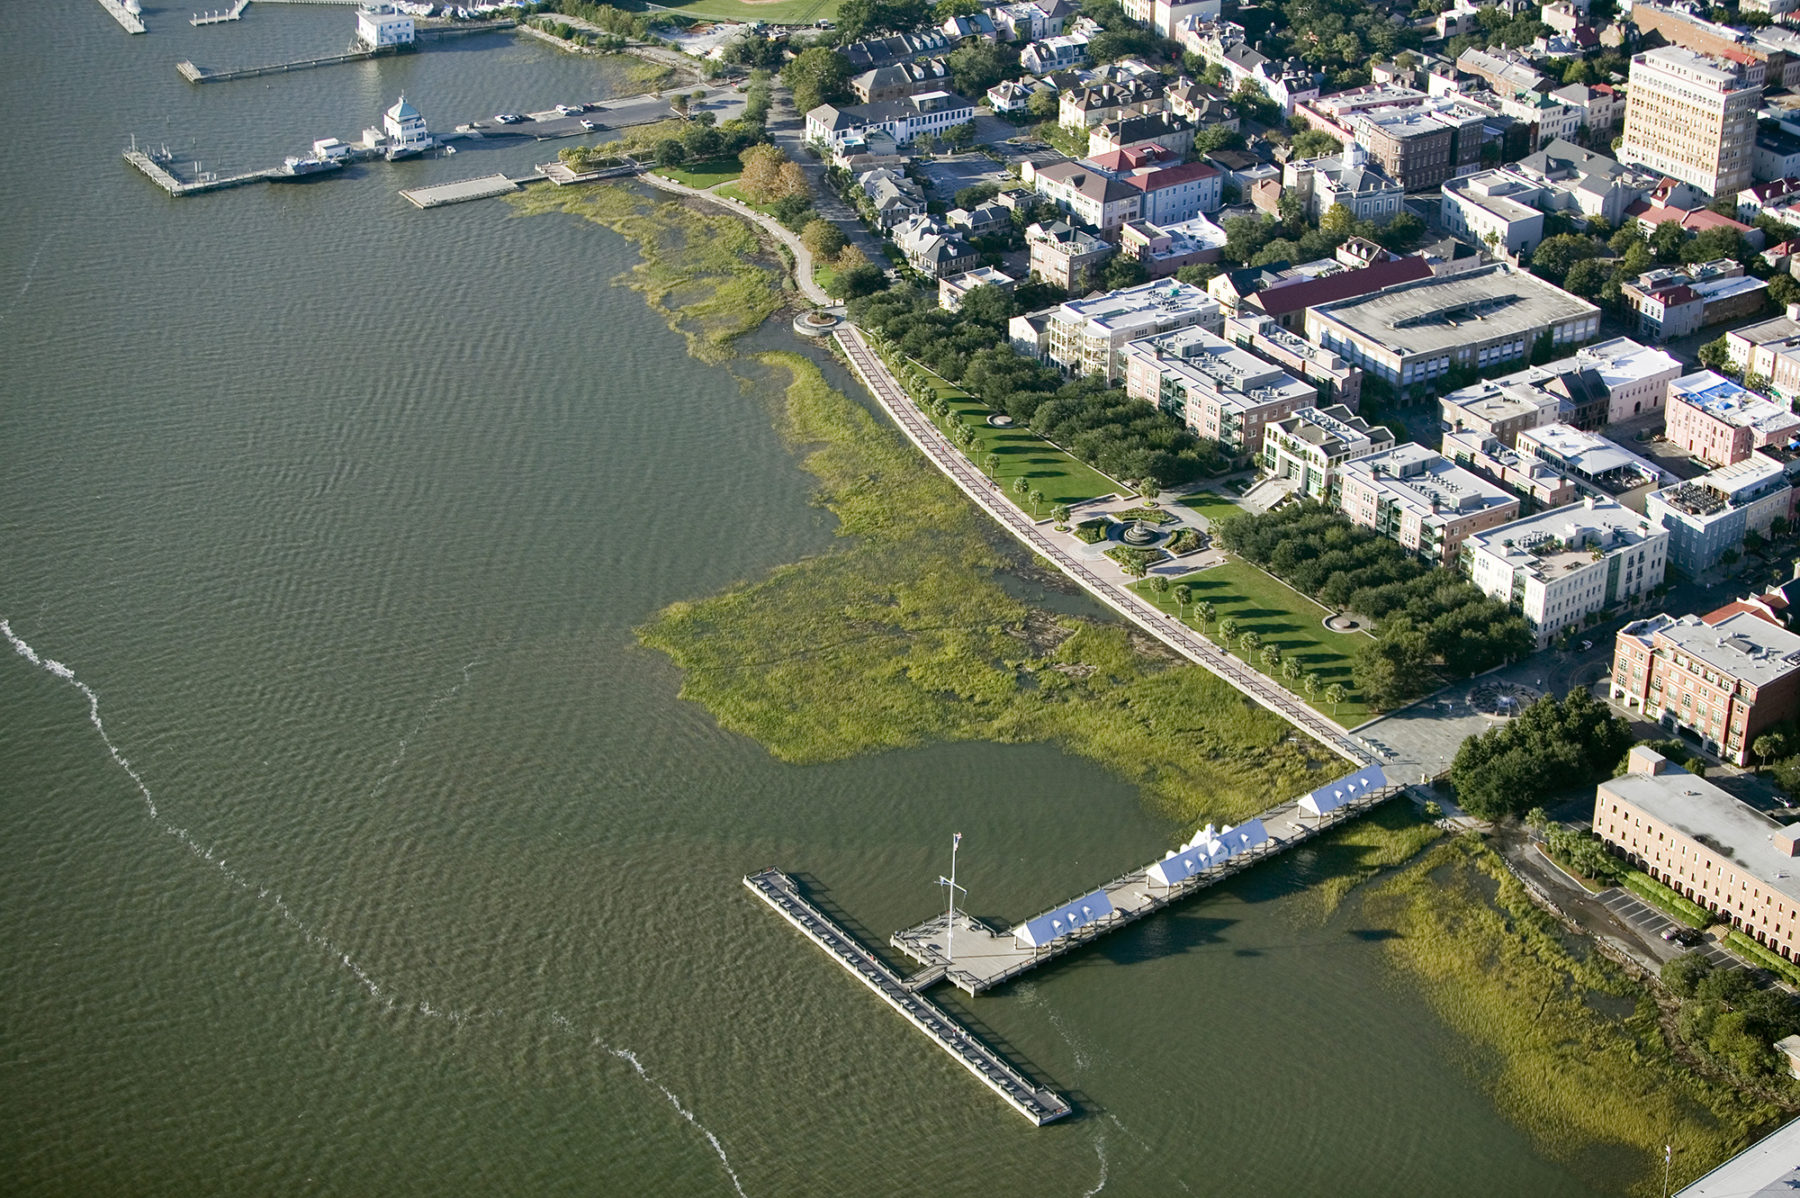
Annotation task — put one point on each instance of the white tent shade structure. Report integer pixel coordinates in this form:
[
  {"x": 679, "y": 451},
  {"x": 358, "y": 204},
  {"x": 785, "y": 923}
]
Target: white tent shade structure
[
  {"x": 1244, "y": 837},
  {"x": 1206, "y": 849},
  {"x": 1330, "y": 797},
  {"x": 1054, "y": 925},
  {"x": 1178, "y": 866}
]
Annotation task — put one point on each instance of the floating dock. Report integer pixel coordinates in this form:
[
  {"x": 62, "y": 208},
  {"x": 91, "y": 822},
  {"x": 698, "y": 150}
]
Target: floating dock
[
  {"x": 985, "y": 957},
  {"x": 439, "y": 194},
  {"x": 1036, "y": 1103},
  {"x": 127, "y": 19},
  {"x": 235, "y": 12}
]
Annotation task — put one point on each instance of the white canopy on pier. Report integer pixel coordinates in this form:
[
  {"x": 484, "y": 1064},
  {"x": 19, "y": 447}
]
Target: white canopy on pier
[
  {"x": 1330, "y": 797},
  {"x": 1054, "y": 925}
]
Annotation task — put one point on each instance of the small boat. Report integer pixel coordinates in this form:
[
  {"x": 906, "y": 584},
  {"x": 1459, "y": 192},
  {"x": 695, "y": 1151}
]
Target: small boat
[{"x": 305, "y": 168}]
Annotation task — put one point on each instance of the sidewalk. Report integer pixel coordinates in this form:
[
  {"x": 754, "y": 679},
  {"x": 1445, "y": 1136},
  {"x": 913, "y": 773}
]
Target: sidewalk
[
  {"x": 1172, "y": 632},
  {"x": 803, "y": 259}
]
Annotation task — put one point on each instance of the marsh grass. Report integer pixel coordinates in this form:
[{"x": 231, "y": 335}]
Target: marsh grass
[
  {"x": 1600, "y": 1094},
  {"x": 902, "y": 634},
  {"x": 703, "y": 272}
]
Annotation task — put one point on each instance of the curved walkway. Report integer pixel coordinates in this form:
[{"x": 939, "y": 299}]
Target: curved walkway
[
  {"x": 803, "y": 259},
  {"x": 1172, "y": 632}
]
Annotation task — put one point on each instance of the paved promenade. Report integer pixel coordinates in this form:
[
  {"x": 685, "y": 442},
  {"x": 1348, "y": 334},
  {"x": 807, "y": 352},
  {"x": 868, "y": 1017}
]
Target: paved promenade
[
  {"x": 803, "y": 259},
  {"x": 937, "y": 447}
]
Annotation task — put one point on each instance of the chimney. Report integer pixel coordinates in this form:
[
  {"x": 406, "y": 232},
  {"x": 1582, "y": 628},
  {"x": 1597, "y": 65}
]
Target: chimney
[
  {"x": 1793, "y": 311},
  {"x": 1644, "y": 760},
  {"x": 1787, "y": 842}
]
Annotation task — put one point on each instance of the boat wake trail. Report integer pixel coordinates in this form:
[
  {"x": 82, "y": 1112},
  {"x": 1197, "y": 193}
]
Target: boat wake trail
[
  {"x": 630, "y": 1058},
  {"x": 30, "y": 274},
  {"x": 393, "y": 766},
  {"x": 207, "y": 853},
  {"x": 1100, "y": 1151}
]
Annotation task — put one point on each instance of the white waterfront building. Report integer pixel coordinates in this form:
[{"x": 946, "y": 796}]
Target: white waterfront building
[{"x": 378, "y": 26}]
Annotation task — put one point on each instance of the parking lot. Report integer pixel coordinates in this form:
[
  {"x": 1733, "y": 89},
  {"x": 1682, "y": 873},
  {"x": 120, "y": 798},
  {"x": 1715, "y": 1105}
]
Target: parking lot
[
  {"x": 1649, "y": 924},
  {"x": 950, "y": 174}
]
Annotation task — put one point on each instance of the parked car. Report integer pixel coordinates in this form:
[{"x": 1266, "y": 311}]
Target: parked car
[
  {"x": 569, "y": 109},
  {"x": 590, "y": 126}
]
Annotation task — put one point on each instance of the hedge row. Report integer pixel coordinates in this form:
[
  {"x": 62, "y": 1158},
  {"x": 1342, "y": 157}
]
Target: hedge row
[
  {"x": 1649, "y": 889},
  {"x": 1761, "y": 956}
]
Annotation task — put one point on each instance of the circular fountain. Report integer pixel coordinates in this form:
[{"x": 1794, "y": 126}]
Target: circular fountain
[{"x": 1141, "y": 534}]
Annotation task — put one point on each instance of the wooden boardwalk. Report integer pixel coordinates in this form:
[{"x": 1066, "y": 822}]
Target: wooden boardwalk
[
  {"x": 1036, "y": 1103},
  {"x": 128, "y": 20},
  {"x": 163, "y": 178}
]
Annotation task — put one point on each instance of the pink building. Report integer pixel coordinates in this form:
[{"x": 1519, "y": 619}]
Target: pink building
[{"x": 1720, "y": 422}]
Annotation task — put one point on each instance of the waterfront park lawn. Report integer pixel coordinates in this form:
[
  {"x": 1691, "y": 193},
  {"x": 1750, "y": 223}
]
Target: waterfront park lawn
[
  {"x": 1212, "y": 505},
  {"x": 1022, "y": 453},
  {"x": 1282, "y": 617},
  {"x": 703, "y": 175},
  {"x": 782, "y": 12}
]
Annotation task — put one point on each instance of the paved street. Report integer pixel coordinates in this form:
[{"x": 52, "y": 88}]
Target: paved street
[{"x": 1172, "y": 632}]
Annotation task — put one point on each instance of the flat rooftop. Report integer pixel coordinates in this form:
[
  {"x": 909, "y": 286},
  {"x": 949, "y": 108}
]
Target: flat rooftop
[
  {"x": 1708, "y": 814},
  {"x": 1445, "y": 312},
  {"x": 1769, "y": 1168},
  {"x": 1496, "y": 400},
  {"x": 1587, "y": 454},
  {"x": 1138, "y": 305},
  {"x": 1236, "y": 377},
  {"x": 1426, "y": 482},
  {"x": 1743, "y": 645},
  {"x": 1725, "y": 400},
  {"x": 1619, "y": 362},
  {"x": 1553, "y": 543}
]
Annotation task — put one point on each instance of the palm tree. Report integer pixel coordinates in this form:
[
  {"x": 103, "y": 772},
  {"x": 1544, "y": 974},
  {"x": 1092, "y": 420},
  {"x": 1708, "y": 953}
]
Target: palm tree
[
  {"x": 1248, "y": 642},
  {"x": 1060, "y": 514},
  {"x": 1334, "y": 694},
  {"x": 1206, "y": 611},
  {"x": 1160, "y": 584},
  {"x": 1227, "y": 627},
  {"x": 965, "y": 436},
  {"x": 992, "y": 462},
  {"x": 1184, "y": 594},
  {"x": 1149, "y": 490},
  {"x": 1037, "y": 499},
  {"x": 1311, "y": 684},
  {"x": 1291, "y": 669},
  {"x": 1271, "y": 656},
  {"x": 1021, "y": 486}
]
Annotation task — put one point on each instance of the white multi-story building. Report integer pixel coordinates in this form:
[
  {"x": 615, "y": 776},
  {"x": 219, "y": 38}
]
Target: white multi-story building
[
  {"x": 1088, "y": 336},
  {"x": 834, "y": 125},
  {"x": 1421, "y": 499},
  {"x": 1560, "y": 566},
  {"x": 378, "y": 26},
  {"x": 1309, "y": 447},
  {"x": 1496, "y": 209},
  {"x": 1693, "y": 117},
  {"x": 1223, "y": 393},
  {"x": 1347, "y": 180},
  {"x": 1092, "y": 196}
]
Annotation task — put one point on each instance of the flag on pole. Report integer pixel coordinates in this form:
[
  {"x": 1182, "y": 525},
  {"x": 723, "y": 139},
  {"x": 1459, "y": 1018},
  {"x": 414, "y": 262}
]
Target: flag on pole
[{"x": 955, "y": 839}]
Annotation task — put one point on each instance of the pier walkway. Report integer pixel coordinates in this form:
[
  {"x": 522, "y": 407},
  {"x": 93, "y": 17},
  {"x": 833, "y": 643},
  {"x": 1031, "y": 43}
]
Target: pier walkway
[
  {"x": 985, "y": 956},
  {"x": 199, "y": 74},
  {"x": 1036, "y": 1103},
  {"x": 233, "y": 13},
  {"x": 166, "y": 179},
  {"x": 128, "y": 20},
  {"x": 1172, "y": 632}
]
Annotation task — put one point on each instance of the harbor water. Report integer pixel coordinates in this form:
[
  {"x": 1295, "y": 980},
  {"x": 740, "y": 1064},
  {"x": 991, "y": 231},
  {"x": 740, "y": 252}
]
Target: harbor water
[{"x": 354, "y": 847}]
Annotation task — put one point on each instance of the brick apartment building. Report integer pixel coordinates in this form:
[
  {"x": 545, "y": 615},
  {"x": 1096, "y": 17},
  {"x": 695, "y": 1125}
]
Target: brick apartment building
[{"x": 1721, "y": 678}]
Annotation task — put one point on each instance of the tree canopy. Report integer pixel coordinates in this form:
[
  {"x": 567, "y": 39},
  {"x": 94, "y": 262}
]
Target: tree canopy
[{"x": 1548, "y": 747}]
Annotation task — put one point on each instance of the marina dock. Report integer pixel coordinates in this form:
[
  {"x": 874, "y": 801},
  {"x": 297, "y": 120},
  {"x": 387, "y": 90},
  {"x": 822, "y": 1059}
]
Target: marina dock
[
  {"x": 199, "y": 74},
  {"x": 1036, "y": 1103},
  {"x": 208, "y": 181},
  {"x": 235, "y": 12},
  {"x": 986, "y": 957},
  {"x": 127, "y": 19},
  {"x": 486, "y": 187}
]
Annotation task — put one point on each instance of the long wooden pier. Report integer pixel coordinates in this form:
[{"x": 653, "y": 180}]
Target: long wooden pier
[
  {"x": 1036, "y": 1103},
  {"x": 199, "y": 74},
  {"x": 980, "y": 957},
  {"x": 165, "y": 179},
  {"x": 235, "y": 12}
]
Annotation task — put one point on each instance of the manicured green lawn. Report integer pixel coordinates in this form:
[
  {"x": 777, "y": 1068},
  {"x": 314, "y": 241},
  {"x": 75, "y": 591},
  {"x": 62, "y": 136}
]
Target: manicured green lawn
[
  {"x": 1022, "y": 453},
  {"x": 1281, "y": 618},
  {"x": 732, "y": 191},
  {"x": 1211, "y": 504},
  {"x": 704, "y": 174},
  {"x": 775, "y": 12},
  {"x": 824, "y": 274}
]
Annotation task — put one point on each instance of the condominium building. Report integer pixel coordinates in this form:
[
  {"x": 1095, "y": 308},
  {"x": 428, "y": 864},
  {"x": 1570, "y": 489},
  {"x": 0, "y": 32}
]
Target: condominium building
[
  {"x": 1497, "y": 209},
  {"x": 1709, "y": 516},
  {"x": 1413, "y": 333},
  {"x": 1064, "y": 256},
  {"x": 1770, "y": 349},
  {"x": 1337, "y": 380},
  {"x": 1421, "y": 499},
  {"x": 1223, "y": 393},
  {"x": 1499, "y": 408},
  {"x": 1692, "y": 117},
  {"x": 1309, "y": 447},
  {"x": 1089, "y": 336},
  {"x": 1092, "y": 196},
  {"x": 1560, "y": 566},
  {"x": 1527, "y": 477},
  {"x": 1703, "y": 843},
  {"x": 1720, "y": 422},
  {"x": 1724, "y": 676}
]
